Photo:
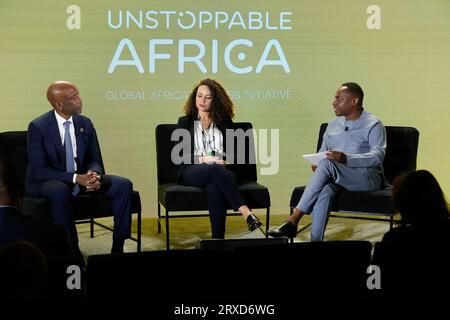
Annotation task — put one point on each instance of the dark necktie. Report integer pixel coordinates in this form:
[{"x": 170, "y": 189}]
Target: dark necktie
[{"x": 70, "y": 160}]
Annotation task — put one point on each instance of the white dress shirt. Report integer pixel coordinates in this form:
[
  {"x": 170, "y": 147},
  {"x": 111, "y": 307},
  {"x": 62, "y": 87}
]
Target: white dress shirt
[{"x": 207, "y": 141}]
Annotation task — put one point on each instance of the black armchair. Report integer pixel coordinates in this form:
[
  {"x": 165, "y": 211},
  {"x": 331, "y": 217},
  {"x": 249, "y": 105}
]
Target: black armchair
[
  {"x": 176, "y": 197},
  {"x": 401, "y": 155},
  {"x": 13, "y": 146}
]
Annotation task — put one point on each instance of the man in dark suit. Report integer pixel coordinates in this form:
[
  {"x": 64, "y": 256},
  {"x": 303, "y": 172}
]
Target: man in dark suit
[{"x": 64, "y": 161}]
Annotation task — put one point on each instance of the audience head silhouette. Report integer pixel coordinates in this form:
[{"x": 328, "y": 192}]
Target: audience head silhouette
[
  {"x": 419, "y": 198},
  {"x": 10, "y": 188},
  {"x": 23, "y": 272}
]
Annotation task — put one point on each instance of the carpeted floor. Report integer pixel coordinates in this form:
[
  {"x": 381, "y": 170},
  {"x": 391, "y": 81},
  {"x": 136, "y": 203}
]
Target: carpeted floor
[{"x": 186, "y": 233}]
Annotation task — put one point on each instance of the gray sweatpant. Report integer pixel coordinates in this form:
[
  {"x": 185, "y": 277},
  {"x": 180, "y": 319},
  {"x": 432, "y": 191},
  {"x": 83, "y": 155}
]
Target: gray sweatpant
[{"x": 328, "y": 179}]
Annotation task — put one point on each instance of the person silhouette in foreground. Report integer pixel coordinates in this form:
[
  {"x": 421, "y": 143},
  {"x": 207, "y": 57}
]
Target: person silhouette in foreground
[
  {"x": 23, "y": 272},
  {"x": 414, "y": 260},
  {"x": 48, "y": 236}
]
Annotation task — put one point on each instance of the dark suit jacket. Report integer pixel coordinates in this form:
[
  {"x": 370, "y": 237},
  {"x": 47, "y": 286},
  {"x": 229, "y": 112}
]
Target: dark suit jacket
[
  {"x": 50, "y": 237},
  {"x": 46, "y": 154},
  {"x": 187, "y": 122}
]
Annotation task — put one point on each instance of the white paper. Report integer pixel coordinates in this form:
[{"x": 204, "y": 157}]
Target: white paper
[{"x": 314, "y": 158}]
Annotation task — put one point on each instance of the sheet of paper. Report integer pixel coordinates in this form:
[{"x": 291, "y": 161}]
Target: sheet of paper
[{"x": 315, "y": 157}]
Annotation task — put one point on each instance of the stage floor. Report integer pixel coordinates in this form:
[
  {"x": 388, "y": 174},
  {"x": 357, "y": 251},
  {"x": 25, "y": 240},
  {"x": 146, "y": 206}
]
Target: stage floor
[{"x": 186, "y": 233}]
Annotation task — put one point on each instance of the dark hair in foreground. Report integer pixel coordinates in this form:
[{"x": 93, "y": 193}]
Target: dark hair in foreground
[
  {"x": 356, "y": 90},
  {"x": 23, "y": 272},
  {"x": 10, "y": 187},
  {"x": 221, "y": 106},
  {"x": 419, "y": 199}
]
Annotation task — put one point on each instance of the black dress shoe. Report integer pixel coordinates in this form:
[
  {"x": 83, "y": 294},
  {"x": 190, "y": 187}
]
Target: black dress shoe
[
  {"x": 287, "y": 229},
  {"x": 253, "y": 222}
]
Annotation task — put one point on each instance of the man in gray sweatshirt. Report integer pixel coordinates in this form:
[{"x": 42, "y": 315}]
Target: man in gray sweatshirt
[{"x": 355, "y": 145}]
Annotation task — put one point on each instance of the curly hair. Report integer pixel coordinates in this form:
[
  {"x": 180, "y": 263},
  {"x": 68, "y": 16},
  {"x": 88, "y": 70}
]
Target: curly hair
[{"x": 221, "y": 105}]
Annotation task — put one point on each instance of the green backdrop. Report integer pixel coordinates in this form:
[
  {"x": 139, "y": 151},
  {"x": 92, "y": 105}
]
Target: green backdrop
[{"x": 400, "y": 57}]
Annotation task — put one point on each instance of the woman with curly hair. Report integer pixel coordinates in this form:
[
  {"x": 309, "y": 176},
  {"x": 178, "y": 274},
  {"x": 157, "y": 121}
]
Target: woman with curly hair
[{"x": 208, "y": 114}]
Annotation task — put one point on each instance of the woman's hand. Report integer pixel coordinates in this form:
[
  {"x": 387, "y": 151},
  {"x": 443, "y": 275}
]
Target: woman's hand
[
  {"x": 212, "y": 159},
  {"x": 220, "y": 161},
  {"x": 206, "y": 159}
]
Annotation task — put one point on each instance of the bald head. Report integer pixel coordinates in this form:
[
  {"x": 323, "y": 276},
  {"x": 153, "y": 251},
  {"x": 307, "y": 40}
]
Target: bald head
[
  {"x": 55, "y": 89},
  {"x": 64, "y": 98}
]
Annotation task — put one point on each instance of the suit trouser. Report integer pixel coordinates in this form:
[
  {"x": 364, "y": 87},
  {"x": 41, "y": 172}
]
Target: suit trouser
[
  {"x": 117, "y": 188},
  {"x": 220, "y": 187},
  {"x": 329, "y": 178}
]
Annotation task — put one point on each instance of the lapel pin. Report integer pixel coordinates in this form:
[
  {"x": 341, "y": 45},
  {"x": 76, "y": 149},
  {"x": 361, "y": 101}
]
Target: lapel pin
[{"x": 81, "y": 129}]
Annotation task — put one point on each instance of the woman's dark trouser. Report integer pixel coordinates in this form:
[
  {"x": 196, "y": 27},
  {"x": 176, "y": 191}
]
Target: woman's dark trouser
[{"x": 220, "y": 187}]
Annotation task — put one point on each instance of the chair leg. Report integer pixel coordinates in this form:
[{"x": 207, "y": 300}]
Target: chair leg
[
  {"x": 167, "y": 231},
  {"x": 159, "y": 217},
  {"x": 267, "y": 222},
  {"x": 139, "y": 238},
  {"x": 92, "y": 227}
]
